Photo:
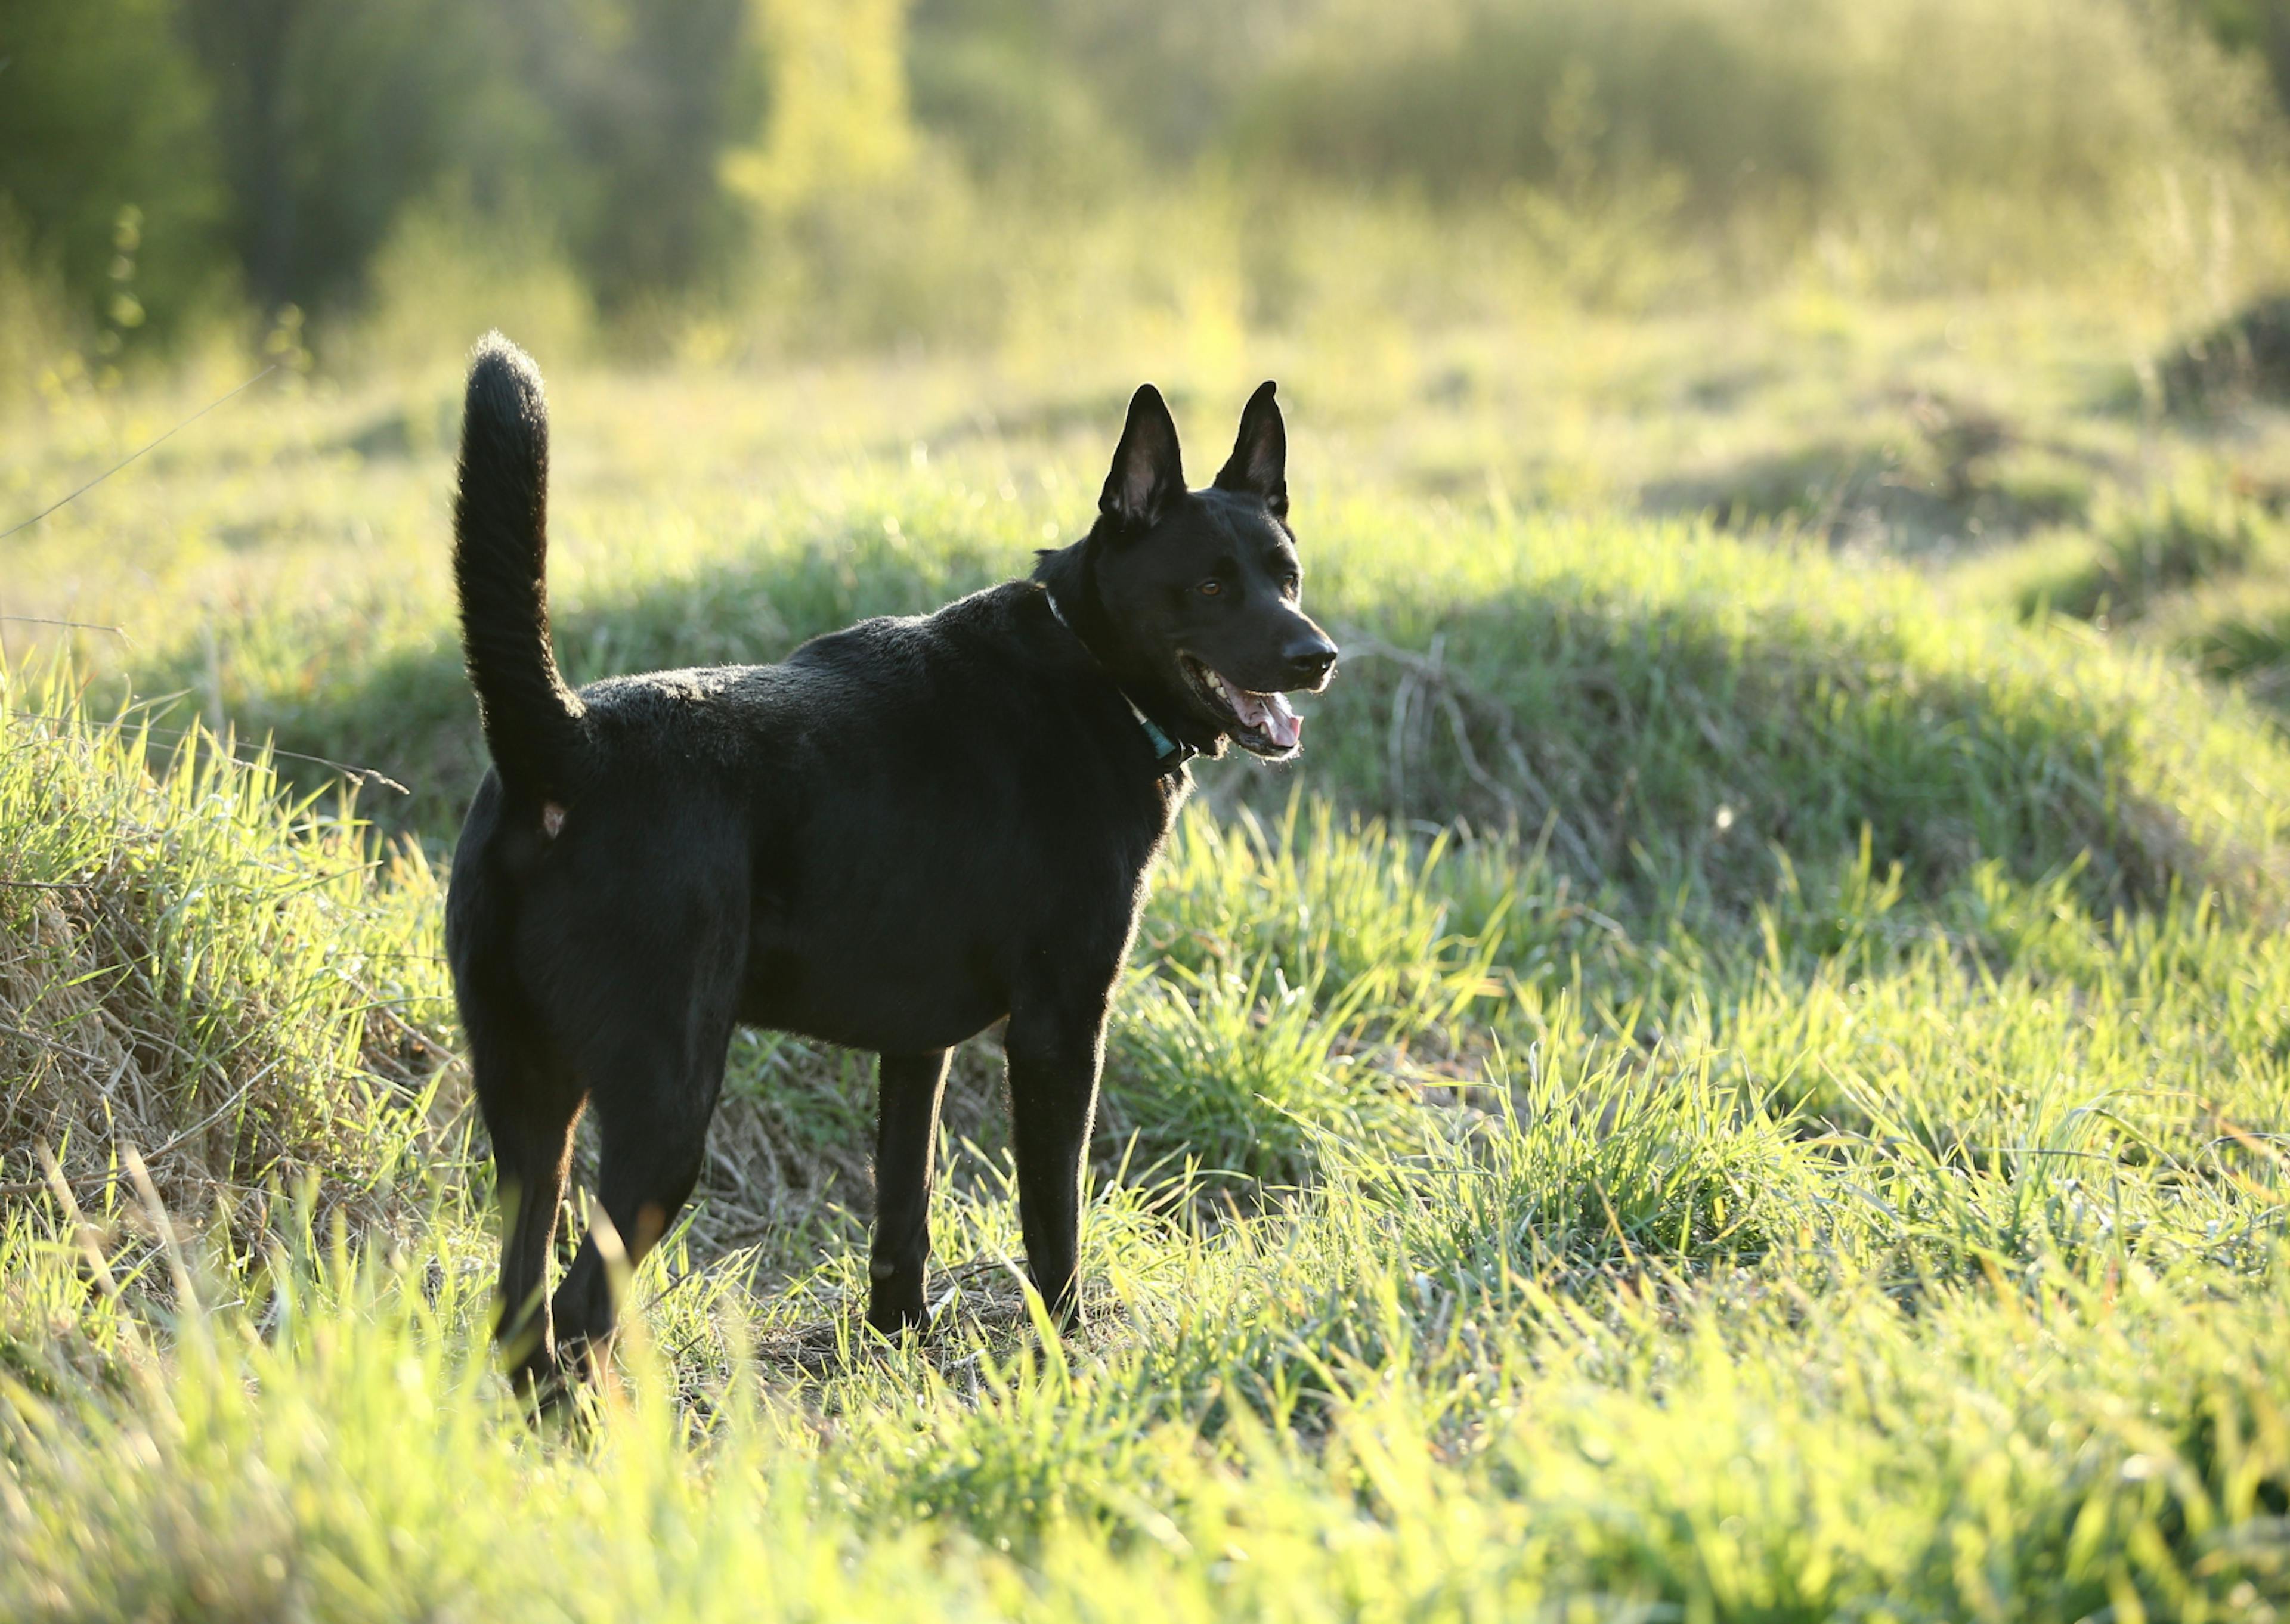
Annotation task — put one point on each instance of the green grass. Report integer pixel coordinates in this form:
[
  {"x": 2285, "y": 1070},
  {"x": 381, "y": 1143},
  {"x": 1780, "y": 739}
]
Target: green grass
[
  {"x": 1746, "y": 1075},
  {"x": 236, "y": 981}
]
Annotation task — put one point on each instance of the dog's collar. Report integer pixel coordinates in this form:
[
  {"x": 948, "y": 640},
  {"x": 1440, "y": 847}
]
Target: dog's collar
[{"x": 1169, "y": 754}]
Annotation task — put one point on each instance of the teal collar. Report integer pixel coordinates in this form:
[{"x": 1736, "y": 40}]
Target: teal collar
[{"x": 1169, "y": 754}]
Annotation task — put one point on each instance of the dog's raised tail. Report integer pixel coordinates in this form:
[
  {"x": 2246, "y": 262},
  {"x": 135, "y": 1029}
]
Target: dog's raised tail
[{"x": 532, "y": 721}]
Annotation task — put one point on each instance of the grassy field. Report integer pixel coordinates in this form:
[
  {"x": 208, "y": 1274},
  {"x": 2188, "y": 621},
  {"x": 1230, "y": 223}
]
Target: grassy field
[{"x": 1745, "y": 1073}]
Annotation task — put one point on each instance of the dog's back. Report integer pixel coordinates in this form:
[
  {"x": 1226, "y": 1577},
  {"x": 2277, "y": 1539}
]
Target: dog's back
[{"x": 895, "y": 816}]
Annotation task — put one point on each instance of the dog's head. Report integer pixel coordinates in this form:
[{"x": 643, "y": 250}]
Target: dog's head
[{"x": 1201, "y": 592}]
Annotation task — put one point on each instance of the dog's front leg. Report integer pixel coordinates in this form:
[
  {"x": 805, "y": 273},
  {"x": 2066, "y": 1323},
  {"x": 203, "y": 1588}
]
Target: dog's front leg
[
  {"x": 1054, "y": 1055},
  {"x": 906, "y": 1135}
]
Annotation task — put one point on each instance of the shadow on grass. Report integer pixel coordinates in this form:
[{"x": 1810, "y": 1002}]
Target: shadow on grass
[
  {"x": 1666, "y": 762},
  {"x": 1669, "y": 756},
  {"x": 2182, "y": 535},
  {"x": 1952, "y": 475},
  {"x": 2198, "y": 570},
  {"x": 2253, "y": 651},
  {"x": 2242, "y": 361}
]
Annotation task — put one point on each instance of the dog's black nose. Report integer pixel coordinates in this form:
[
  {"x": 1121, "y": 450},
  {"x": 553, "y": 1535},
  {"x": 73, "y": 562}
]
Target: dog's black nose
[{"x": 1310, "y": 658}]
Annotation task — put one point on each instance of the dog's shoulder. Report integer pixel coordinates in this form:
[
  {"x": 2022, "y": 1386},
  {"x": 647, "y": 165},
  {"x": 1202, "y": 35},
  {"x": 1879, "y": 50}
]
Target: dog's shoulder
[
  {"x": 1011, "y": 621},
  {"x": 1015, "y": 616}
]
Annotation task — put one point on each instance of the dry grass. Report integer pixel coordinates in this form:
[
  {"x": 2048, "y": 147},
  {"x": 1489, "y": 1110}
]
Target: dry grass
[{"x": 238, "y": 987}]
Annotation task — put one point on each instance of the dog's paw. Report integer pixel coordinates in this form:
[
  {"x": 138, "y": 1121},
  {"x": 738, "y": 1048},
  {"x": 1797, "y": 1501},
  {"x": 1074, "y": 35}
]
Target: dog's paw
[{"x": 894, "y": 1320}]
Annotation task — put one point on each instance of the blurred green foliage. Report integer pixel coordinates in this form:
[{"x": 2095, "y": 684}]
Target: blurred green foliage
[
  {"x": 1878, "y": 105},
  {"x": 103, "y": 110},
  {"x": 2262, "y": 27},
  {"x": 324, "y": 120},
  {"x": 891, "y": 165},
  {"x": 271, "y": 145}
]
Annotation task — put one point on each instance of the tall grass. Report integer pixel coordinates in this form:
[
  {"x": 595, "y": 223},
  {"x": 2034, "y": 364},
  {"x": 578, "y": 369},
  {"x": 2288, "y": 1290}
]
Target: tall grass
[
  {"x": 1742, "y": 1075},
  {"x": 237, "y": 985},
  {"x": 1930, "y": 1250},
  {"x": 1389, "y": 1399}
]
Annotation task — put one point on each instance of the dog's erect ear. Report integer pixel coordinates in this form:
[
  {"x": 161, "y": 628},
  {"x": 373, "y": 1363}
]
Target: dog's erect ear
[
  {"x": 1259, "y": 463},
  {"x": 1148, "y": 472}
]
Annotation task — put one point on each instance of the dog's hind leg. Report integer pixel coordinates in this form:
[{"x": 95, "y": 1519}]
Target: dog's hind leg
[
  {"x": 905, "y": 1138},
  {"x": 653, "y": 1098},
  {"x": 529, "y": 1104}
]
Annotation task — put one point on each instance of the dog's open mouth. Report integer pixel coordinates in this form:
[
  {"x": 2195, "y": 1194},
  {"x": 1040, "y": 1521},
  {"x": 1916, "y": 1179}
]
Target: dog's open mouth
[{"x": 1261, "y": 724}]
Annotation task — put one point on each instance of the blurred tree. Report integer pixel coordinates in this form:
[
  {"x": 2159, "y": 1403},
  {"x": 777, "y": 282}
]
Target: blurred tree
[
  {"x": 1174, "y": 74},
  {"x": 605, "y": 115},
  {"x": 1860, "y": 109},
  {"x": 837, "y": 111},
  {"x": 1460, "y": 96},
  {"x": 105, "y": 161},
  {"x": 1051, "y": 88},
  {"x": 2261, "y": 25},
  {"x": 329, "y": 115},
  {"x": 642, "y": 99},
  {"x": 986, "y": 77}
]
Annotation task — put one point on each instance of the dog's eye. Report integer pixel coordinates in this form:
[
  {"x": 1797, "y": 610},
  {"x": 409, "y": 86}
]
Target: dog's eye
[{"x": 1211, "y": 587}]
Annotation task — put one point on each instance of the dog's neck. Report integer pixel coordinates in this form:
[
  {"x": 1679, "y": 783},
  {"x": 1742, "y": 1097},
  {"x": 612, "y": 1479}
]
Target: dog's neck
[{"x": 1068, "y": 578}]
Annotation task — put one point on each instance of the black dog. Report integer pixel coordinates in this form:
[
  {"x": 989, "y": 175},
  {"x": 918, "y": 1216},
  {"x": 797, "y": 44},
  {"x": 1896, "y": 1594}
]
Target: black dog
[{"x": 910, "y": 830}]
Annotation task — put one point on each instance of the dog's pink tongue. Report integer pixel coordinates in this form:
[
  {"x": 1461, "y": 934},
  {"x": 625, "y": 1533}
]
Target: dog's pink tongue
[
  {"x": 1281, "y": 723},
  {"x": 1267, "y": 711}
]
